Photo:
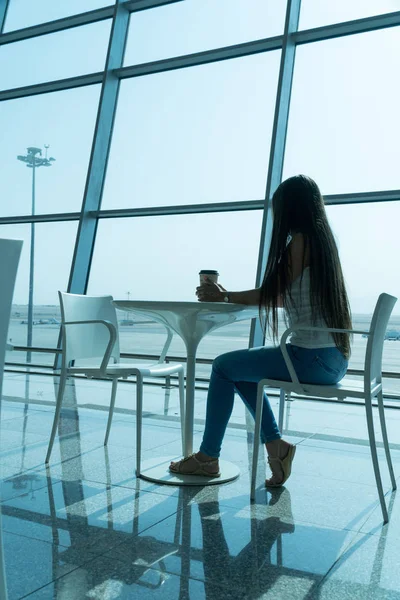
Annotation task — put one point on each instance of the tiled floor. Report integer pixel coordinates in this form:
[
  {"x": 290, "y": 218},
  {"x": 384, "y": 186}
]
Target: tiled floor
[{"x": 87, "y": 528}]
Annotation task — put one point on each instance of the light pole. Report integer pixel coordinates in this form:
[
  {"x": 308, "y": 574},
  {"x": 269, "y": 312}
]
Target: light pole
[
  {"x": 33, "y": 160},
  {"x": 127, "y": 314}
]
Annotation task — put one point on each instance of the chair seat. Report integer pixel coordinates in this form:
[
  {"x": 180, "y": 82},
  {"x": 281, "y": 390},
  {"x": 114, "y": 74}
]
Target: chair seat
[
  {"x": 347, "y": 387},
  {"x": 120, "y": 369}
]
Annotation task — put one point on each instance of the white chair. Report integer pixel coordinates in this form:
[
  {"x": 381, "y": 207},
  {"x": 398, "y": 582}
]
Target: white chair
[
  {"x": 368, "y": 389},
  {"x": 89, "y": 330},
  {"x": 10, "y": 251}
]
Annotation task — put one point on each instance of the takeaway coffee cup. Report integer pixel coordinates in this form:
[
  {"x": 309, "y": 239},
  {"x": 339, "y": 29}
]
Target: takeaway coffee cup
[{"x": 207, "y": 276}]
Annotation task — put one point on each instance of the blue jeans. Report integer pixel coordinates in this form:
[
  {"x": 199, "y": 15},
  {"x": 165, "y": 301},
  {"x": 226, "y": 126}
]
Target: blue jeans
[{"x": 241, "y": 370}]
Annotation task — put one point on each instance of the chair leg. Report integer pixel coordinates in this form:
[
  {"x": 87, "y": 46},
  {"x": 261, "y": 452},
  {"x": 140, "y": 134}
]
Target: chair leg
[
  {"x": 385, "y": 439},
  {"x": 111, "y": 411},
  {"x": 182, "y": 407},
  {"x": 282, "y": 397},
  {"x": 256, "y": 444},
  {"x": 61, "y": 388},
  {"x": 139, "y": 415},
  {"x": 374, "y": 456}
]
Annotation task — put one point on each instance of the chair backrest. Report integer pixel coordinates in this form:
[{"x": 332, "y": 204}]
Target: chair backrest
[
  {"x": 87, "y": 341},
  {"x": 379, "y": 323},
  {"x": 10, "y": 251}
]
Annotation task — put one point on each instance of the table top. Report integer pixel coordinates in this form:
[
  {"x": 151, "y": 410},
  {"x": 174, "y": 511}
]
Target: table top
[
  {"x": 180, "y": 306},
  {"x": 190, "y": 320}
]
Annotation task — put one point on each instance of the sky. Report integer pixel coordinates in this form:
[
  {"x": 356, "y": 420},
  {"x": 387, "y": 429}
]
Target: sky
[{"x": 202, "y": 135}]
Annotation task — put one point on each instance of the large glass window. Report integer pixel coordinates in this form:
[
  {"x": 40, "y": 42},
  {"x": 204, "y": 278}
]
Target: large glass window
[
  {"x": 369, "y": 250},
  {"x": 194, "y": 135},
  {"x": 196, "y": 25},
  {"x": 53, "y": 251},
  {"x": 315, "y": 13},
  {"x": 59, "y": 55},
  {"x": 24, "y": 13},
  {"x": 159, "y": 258},
  {"x": 344, "y": 123},
  {"x": 47, "y": 119}
]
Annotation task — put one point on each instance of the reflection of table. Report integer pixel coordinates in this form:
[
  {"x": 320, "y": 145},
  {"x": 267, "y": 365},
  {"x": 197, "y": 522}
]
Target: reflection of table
[{"x": 191, "y": 321}]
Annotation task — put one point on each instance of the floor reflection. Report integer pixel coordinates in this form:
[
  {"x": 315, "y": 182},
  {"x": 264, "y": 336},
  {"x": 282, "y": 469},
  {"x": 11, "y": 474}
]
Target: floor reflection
[
  {"x": 227, "y": 570},
  {"x": 85, "y": 528}
]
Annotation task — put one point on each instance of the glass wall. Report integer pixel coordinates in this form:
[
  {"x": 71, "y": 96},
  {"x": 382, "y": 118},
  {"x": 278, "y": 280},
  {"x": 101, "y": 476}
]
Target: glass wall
[
  {"x": 197, "y": 25},
  {"x": 369, "y": 250},
  {"x": 69, "y": 53},
  {"x": 343, "y": 124},
  {"x": 193, "y": 133},
  {"x": 52, "y": 258},
  {"x": 162, "y": 257},
  {"x": 196, "y": 135},
  {"x": 24, "y": 13},
  {"x": 317, "y": 13},
  {"x": 63, "y": 120}
]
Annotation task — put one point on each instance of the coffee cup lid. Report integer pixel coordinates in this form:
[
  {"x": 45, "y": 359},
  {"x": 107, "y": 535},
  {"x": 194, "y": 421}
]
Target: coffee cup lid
[{"x": 208, "y": 272}]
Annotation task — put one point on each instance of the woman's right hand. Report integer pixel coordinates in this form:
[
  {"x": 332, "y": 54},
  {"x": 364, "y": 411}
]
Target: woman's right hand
[{"x": 210, "y": 292}]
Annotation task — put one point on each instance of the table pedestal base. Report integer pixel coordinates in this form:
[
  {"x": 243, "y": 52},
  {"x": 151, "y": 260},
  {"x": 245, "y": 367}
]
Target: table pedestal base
[{"x": 156, "y": 469}]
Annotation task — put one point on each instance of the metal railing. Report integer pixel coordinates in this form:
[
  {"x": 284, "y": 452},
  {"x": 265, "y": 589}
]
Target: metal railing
[{"x": 154, "y": 357}]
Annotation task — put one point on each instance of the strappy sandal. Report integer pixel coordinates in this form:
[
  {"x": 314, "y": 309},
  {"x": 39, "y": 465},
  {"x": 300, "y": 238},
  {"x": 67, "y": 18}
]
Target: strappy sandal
[
  {"x": 285, "y": 465},
  {"x": 200, "y": 469}
]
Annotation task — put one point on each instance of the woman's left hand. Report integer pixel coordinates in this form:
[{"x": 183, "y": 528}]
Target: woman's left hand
[{"x": 210, "y": 292}]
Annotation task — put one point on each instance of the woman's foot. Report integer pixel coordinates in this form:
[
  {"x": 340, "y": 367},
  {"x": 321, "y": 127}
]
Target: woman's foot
[
  {"x": 196, "y": 464},
  {"x": 280, "y": 458}
]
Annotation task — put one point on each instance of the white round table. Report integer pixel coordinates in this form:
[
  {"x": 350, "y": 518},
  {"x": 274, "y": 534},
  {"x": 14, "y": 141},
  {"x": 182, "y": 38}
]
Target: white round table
[{"x": 191, "y": 321}]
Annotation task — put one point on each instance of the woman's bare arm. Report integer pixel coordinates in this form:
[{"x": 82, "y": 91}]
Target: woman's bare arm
[
  {"x": 249, "y": 297},
  {"x": 214, "y": 292}
]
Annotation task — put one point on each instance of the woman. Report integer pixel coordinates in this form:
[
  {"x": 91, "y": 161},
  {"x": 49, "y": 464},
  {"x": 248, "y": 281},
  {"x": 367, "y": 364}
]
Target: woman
[{"x": 304, "y": 277}]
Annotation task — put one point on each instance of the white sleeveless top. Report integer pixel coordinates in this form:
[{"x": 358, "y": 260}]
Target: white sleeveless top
[{"x": 300, "y": 313}]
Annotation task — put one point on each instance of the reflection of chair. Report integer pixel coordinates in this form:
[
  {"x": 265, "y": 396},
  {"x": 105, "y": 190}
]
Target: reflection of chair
[
  {"x": 91, "y": 348},
  {"x": 10, "y": 251},
  {"x": 368, "y": 389}
]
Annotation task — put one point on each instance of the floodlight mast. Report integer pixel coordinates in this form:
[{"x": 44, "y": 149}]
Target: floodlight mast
[{"x": 33, "y": 159}]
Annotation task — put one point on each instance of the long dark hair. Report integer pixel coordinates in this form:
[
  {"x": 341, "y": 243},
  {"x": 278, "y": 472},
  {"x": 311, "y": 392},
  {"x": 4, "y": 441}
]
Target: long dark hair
[{"x": 298, "y": 207}]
